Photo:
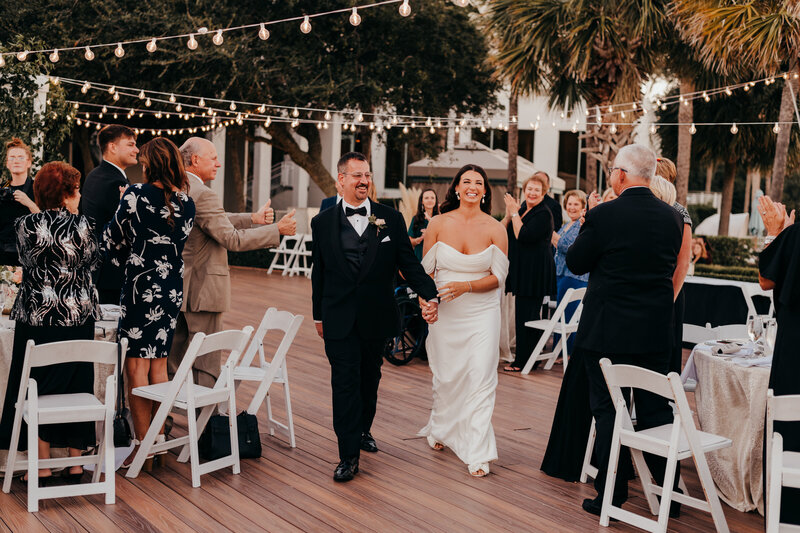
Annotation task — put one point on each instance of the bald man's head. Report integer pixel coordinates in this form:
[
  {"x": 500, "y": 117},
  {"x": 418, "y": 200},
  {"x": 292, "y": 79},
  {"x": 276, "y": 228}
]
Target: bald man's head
[{"x": 200, "y": 158}]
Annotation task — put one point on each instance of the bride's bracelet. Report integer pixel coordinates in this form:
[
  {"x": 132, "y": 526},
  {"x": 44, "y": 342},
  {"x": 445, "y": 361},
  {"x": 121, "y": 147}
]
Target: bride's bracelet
[{"x": 470, "y": 286}]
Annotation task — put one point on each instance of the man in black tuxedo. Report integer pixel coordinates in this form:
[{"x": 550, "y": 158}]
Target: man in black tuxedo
[
  {"x": 100, "y": 197},
  {"x": 551, "y": 203},
  {"x": 630, "y": 248},
  {"x": 358, "y": 247}
]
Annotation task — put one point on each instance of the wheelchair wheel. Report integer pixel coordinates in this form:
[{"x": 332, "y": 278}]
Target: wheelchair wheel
[{"x": 411, "y": 340}]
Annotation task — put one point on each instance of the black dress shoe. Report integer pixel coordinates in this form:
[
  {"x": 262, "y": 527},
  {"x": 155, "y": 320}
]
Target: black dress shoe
[
  {"x": 595, "y": 506},
  {"x": 368, "y": 443},
  {"x": 346, "y": 470}
]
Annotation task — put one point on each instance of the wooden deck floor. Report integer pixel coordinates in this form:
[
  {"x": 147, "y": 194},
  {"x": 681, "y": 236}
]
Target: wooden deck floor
[{"x": 405, "y": 487}]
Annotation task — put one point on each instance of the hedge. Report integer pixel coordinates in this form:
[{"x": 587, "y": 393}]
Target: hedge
[
  {"x": 700, "y": 212},
  {"x": 731, "y": 251},
  {"x": 737, "y": 273}
]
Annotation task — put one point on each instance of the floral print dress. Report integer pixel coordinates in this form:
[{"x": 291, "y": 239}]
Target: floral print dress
[{"x": 141, "y": 237}]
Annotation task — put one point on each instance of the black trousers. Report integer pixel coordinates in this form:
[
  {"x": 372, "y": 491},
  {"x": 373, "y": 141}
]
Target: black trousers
[
  {"x": 355, "y": 375},
  {"x": 651, "y": 411},
  {"x": 526, "y": 308},
  {"x": 676, "y": 362}
]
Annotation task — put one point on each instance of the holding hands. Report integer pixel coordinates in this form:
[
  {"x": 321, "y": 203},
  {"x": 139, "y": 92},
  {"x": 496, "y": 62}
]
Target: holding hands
[
  {"x": 774, "y": 215},
  {"x": 430, "y": 310},
  {"x": 265, "y": 215}
]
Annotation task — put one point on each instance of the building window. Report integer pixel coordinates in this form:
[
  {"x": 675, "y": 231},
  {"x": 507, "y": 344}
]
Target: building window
[
  {"x": 527, "y": 138},
  {"x": 570, "y": 169},
  {"x": 492, "y": 138}
]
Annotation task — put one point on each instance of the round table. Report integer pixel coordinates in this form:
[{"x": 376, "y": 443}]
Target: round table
[{"x": 731, "y": 400}]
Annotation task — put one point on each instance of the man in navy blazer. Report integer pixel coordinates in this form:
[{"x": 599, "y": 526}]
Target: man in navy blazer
[
  {"x": 630, "y": 249},
  {"x": 359, "y": 245},
  {"x": 100, "y": 197}
]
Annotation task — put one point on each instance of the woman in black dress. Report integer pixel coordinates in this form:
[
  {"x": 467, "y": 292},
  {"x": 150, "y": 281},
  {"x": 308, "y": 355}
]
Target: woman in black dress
[
  {"x": 532, "y": 270},
  {"x": 57, "y": 302},
  {"x": 147, "y": 235},
  {"x": 427, "y": 208},
  {"x": 779, "y": 269},
  {"x": 15, "y": 198}
]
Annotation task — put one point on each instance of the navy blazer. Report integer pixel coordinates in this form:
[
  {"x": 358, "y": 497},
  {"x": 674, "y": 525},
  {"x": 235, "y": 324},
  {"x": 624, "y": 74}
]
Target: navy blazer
[
  {"x": 342, "y": 299},
  {"x": 630, "y": 248},
  {"x": 330, "y": 201}
]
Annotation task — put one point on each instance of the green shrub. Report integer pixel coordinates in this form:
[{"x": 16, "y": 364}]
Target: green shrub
[
  {"x": 253, "y": 258},
  {"x": 731, "y": 251},
  {"x": 727, "y": 272},
  {"x": 700, "y": 212}
]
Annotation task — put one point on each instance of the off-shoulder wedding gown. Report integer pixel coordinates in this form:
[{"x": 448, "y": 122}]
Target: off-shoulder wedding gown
[{"x": 463, "y": 352}]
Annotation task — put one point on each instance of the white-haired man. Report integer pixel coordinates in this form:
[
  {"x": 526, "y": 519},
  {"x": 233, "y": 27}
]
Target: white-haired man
[
  {"x": 206, "y": 280},
  {"x": 630, "y": 248}
]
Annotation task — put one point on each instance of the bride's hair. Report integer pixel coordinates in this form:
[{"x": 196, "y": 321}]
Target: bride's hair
[{"x": 451, "y": 202}]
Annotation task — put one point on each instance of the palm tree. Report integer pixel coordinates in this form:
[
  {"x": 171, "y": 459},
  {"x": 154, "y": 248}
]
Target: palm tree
[
  {"x": 764, "y": 35},
  {"x": 577, "y": 52}
]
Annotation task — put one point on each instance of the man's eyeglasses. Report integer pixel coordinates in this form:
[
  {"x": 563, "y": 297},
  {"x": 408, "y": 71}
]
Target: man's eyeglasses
[
  {"x": 612, "y": 169},
  {"x": 17, "y": 157},
  {"x": 359, "y": 175}
]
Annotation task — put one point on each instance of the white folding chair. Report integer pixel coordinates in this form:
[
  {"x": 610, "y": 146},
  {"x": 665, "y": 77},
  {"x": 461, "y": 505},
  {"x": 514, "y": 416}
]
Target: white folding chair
[
  {"x": 183, "y": 393},
  {"x": 783, "y": 467},
  {"x": 676, "y": 441},
  {"x": 751, "y": 290},
  {"x": 588, "y": 470},
  {"x": 301, "y": 263},
  {"x": 548, "y": 327},
  {"x": 731, "y": 331},
  {"x": 696, "y": 334},
  {"x": 64, "y": 409},
  {"x": 275, "y": 371},
  {"x": 285, "y": 254}
]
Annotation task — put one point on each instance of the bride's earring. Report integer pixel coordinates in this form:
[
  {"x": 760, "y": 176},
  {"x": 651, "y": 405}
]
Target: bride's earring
[
  {"x": 483, "y": 199},
  {"x": 458, "y": 196}
]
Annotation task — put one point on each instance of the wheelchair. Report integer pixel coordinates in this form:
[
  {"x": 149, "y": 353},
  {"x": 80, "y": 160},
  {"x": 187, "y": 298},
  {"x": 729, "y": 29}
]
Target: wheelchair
[{"x": 410, "y": 343}]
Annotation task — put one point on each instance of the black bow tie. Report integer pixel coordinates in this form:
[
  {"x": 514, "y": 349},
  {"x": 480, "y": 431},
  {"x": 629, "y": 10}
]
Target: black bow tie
[{"x": 349, "y": 211}]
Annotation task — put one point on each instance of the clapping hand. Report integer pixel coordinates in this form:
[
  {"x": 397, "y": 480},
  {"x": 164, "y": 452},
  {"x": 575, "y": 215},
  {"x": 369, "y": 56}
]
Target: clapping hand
[
  {"x": 512, "y": 205},
  {"x": 593, "y": 200},
  {"x": 265, "y": 215},
  {"x": 774, "y": 215},
  {"x": 288, "y": 225},
  {"x": 430, "y": 310}
]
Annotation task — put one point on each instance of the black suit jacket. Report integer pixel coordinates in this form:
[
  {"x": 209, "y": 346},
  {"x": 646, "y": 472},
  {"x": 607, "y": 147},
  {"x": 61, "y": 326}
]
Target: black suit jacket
[
  {"x": 330, "y": 201},
  {"x": 341, "y": 298},
  {"x": 630, "y": 248},
  {"x": 555, "y": 208},
  {"x": 99, "y": 201}
]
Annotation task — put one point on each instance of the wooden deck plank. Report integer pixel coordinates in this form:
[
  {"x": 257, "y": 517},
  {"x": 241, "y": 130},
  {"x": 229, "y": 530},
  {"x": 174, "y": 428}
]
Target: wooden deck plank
[{"x": 405, "y": 487}]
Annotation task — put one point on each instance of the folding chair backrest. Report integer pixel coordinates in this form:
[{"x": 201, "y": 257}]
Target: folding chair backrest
[
  {"x": 697, "y": 334},
  {"x": 273, "y": 319},
  {"x": 754, "y": 290},
  {"x": 619, "y": 377},
  {"x": 784, "y": 408},
  {"x": 234, "y": 340},
  {"x": 731, "y": 331}
]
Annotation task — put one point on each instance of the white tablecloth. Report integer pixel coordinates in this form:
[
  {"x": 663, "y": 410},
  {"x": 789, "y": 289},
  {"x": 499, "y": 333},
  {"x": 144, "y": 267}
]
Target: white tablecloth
[{"x": 731, "y": 401}]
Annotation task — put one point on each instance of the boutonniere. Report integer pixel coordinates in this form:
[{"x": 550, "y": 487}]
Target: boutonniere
[{"x": 377, "y": 222}]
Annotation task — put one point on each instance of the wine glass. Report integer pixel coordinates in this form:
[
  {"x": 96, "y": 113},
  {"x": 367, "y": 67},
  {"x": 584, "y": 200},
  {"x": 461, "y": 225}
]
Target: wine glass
[
  {"x": 770, "y": 333},
  {"x": 755, "y": 327}
]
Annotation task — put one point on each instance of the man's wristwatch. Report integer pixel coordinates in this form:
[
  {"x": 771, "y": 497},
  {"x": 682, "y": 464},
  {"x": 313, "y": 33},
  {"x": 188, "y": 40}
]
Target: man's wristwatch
[{"x": 768, "y": 239}]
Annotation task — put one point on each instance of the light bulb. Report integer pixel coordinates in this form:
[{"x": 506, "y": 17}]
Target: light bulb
[
  {"x": 458, "y": 129},
  {"x": 462, "y": 3},
  {"x": 360, "y": 117},
  {"x": 405, "y": 9},
  {"x": 613, "y": 128},
  {"x": 305, "y": 26},
  {"x": 75, "y": 105},
  {"x": 112, "y": 89},
  {"x": 54, "y": 56},
  {"x": 116, "y": 96},
  {"x": 268, "y": 121},
  {"x": 147, "y": 102},
  {"x": 622, "y": 114},
  {"x": 345, "y": 126},
  {"x": 405, "y": 129},
  {"x": 663, "y": 107},
  {"x": 776, "y": 128},
  {"x": 202, "y": 102},
  {"x": 355, "y": 18},
  {"x": 428, "y": 122},
  {"x": 55, "y": 81},
  {"x": 2, "y": 61},
  {"x": 295, "y": 112},
  {"x": 692, "y": 129},
  {"x": 263, "y": 32},
  {"x": 432, "y": 130},
  {"x": 178, "y": 108},
  {"x": 22, "y": 56},
  {"x": 172, "y": 98},
  {"x": 319, "y": 125},
  {"x": 372, "y": 125},
  {"x": 746, "y": 88},
  {"x": 218, "y": 38},
  {"x": 734, "y": 129},
  {"x": 325, "y": 125},
  {"x": 728, "y": 91},
  {"x": 86, "y": 87},
  {"x": 233, "y": 106},
  {"x": 192, "y": 43},
  {"x": 141, "y": 95},
  {"x": 574, "y": 129},
  {"x": 116, "y": 116},
  {"x": 78, "y": 121},
  {"x": 151, "y": 46},
  {"x": 327, "y": 115},
  {"x": 119, "y": 51},
  {"x": 352, "y": 127}
]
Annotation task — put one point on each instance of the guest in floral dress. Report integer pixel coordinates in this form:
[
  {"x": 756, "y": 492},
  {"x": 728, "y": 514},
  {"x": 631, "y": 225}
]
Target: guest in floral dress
[
  {"x": 57, "y": 302},
  {"x": 147, "y": 235}
]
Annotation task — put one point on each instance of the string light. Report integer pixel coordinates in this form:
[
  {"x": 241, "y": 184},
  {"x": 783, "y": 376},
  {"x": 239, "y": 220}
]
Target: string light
[
  {"x": 355, "y": 18},
  {"x": 263, "y": 32},
  {"x": 192, "y": 43},
  {"x": 147, "y": 102},
  {"x": 202, "y": 103},
  {"x": 217, "y": 39},
  {"x": 462, "y": 3},
  {"x": 327, "y": 115},
  {"x": 233, "y": 106},
  {"x": 777, "y": 128},
  {"x": 305, "y": 26},
  {"x": 2, "y": 61},
  {"x": 405, "y": 9},
  {"x": 151, "y": 46},
  {"x": 54, "y": 56},
  {"x": 295, "y": 112},
  {"x": 119, "y": 51},
  {"x": 734, "y": 129},
  {"x": 692, "y": 129},
  {"x": 22, "y": 56},
  {"x": 172, "y": 98}
]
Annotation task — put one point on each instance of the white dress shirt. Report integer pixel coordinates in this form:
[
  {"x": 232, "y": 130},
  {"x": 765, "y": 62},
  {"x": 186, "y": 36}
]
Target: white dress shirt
[
  {"x": 193, "y": 175},
  {"x": 117, "y": 167},
  {"x": 358, "y": 222}
]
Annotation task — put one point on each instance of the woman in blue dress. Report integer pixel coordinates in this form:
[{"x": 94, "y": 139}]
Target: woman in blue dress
[{"x": 147, "y": 235}]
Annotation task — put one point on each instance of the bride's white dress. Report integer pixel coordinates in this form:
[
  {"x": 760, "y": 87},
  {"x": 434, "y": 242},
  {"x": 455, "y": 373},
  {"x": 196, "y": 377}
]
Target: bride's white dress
[{"x": 463, "y": 352}]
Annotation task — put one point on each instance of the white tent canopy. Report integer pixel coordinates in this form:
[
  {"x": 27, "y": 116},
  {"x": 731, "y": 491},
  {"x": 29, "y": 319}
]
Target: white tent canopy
[
  {"x": 736, "y": 228},
  {"x": 494, "y": 162}
]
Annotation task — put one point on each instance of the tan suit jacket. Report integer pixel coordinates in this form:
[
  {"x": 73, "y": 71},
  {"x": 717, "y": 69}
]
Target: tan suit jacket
[{"x": 206, "y": 278}]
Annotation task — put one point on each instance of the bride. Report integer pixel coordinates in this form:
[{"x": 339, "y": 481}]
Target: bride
[{"x": 466, "y": 253}]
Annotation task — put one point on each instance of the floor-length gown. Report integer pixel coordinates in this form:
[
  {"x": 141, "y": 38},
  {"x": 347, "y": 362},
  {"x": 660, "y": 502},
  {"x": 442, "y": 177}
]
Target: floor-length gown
[{"x": 463, "y": 353}]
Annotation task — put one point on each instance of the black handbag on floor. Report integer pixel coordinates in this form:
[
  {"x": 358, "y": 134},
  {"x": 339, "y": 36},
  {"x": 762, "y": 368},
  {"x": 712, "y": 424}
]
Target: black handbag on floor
[
  {"x": 123, "y": 422},
  {"x": 215, "y": 442}
]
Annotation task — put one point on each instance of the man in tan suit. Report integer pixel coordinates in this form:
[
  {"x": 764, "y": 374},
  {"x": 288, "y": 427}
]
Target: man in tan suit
[{"x": 206, "y": 279}]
